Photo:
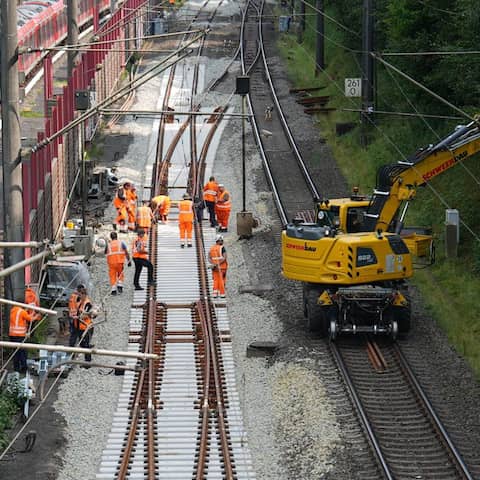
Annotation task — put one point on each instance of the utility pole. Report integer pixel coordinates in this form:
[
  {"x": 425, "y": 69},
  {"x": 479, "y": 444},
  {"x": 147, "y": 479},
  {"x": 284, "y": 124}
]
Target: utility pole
[
  {"x": 11, "y": 150},
  {"x": 72, "y": 34},
  {"x": 301, "y": 28},
  {"x": 367, "y": 66},
  {"x": 320, "y": 45}
]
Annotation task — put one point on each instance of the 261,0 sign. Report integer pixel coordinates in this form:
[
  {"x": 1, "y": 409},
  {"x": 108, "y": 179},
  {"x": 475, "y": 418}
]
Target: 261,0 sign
[{"x": 353, "y": 87}]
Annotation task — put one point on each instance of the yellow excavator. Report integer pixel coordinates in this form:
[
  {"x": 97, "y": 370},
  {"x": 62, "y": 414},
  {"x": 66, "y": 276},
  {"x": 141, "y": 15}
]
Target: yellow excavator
[{"x": 352, "y": 261}]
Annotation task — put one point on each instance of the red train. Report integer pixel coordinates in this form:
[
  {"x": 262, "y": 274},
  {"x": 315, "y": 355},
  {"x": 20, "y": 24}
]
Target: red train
[{"x": 43, "y": 23}]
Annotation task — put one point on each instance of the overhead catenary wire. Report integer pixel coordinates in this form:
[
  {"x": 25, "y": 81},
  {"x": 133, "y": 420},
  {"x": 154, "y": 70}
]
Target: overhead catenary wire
[
  {"x": 389, "y": 140},
  {"x": 117, "y": 95},
  {"x": 402, "y": 114},
  {"x": 426, "y": 53},
  {"x": 88, "y": 45},
  {"x": 336, "y": 22},
  {"x": 433, "y": 189},
  {"x": 423, "y": 87}
]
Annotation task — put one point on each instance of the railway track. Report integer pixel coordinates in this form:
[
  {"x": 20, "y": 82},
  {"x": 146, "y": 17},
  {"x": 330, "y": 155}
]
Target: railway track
[
  {"x": 277, "y": 145},
  {"x": 179, "y": 416},
  {"x": 407, "y": 438},
  {"x": 406, "y": 434}
]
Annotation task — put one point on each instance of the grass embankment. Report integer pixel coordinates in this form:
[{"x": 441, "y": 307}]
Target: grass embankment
[{"x": 450, "y": 287}]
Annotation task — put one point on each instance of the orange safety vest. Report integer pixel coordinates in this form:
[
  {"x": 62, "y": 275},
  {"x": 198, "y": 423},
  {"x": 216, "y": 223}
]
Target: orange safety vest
[
  {"x": 140, "y": 248},
  {"x": 185, "y": 208},
  {"x": 216, "y": 256},
  {"x": 119, "y": 202},
  {"x": 224, "y": 204},
  {"x": 73, "y": 302},
  {"x": 210, "y": 191},
  {"x": 115, "y": 252},
  {"x": 144, "y": 216},
  {"x": 19, "y": 319},
  {"x": 85, "y": 320},
  {"x": 131, "y": 197}
]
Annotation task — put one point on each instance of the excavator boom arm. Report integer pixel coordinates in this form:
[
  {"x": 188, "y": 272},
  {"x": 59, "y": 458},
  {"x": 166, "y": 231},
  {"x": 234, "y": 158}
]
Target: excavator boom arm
[{"x": 398, "y": 182}]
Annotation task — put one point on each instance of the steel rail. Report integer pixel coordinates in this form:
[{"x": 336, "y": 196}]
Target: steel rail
[
  {"x": 439, "y": 435},
  {"x": 268, "y": 172},
  {"x": 144, "y": 387},
  {"x": 205, "y": 406},
  {"x": 133, "y": 427},
  {"x": 212, "y": 364},
  {"x": 162, "y": 165},
  {"x": 286, "y": 128},
  {"x": 448, "y": 442},
  {"x": 361, "y": 411},
  {"x": 150, "y": 343}
]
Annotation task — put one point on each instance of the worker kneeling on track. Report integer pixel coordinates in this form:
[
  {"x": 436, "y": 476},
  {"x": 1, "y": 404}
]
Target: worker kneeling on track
[
  {"x": 116, "y": 252},
  {"x": 217, "y": 256},
  {"x": 161, "y": 207}
]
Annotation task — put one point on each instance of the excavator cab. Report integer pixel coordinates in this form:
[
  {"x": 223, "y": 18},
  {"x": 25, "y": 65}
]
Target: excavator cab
[{"x": 346, "y": 215}]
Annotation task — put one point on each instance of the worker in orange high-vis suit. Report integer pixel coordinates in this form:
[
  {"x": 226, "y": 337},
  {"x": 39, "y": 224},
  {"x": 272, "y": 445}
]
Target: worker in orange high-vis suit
[
  {"x": 217, "y": 256},
  {"x": 140, "y": 258},
  {"x": 82, "y": 325},
  {"x": 120, "y": 203},
  {"x": 210, "y": 192},
  {"x": 20, "y": 320},
  {"x": 131, "y": 197},
  {"x": 116, "y": 252},
  {"x": 161, "y": 207},
  {"x": 223, "y": 208},
  {"x": 73, "y": 302},
  {"x": 144, "y": 216},
  {"x": 185, "y": 220}
]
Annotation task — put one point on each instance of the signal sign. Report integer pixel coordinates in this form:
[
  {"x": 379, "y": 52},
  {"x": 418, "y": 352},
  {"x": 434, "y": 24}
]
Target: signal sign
[{"x": 353, "y": 87}]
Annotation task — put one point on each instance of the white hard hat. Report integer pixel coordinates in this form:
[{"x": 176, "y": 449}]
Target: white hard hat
[{"x": 219, "y": 238}]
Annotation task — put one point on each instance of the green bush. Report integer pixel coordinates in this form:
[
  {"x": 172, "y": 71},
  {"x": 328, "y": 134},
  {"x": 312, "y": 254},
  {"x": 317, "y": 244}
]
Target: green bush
[{"x": 9, "y": 406}]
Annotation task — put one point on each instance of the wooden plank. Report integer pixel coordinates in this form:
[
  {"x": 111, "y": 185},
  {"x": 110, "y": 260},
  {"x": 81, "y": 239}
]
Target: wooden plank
[
  {"x": 306, "y": 89},
  {"x": 322, "y": 100}
]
